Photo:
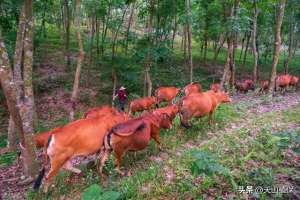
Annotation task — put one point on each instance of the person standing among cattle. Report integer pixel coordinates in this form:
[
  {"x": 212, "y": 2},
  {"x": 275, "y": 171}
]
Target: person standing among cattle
[{"x": 122, "y": 98}]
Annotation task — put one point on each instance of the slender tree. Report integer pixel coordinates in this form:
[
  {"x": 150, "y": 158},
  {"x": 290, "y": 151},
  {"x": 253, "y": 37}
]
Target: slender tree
[
  {"x": 254, "y": 47},
  {"x": 147, "y": 80},
  {"x": 277, "y": 44},
  {"x": 189, "y": 37},
  {"x": 80, "y": 58}
]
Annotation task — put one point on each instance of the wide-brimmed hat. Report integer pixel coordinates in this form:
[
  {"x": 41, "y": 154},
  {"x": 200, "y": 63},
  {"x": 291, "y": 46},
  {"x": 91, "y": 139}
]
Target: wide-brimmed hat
[{"x": 122, "y": 88}]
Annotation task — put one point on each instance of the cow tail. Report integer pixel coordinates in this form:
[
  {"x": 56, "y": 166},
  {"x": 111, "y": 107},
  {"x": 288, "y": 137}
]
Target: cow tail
[
  {"x": 156, "y": 98},
  {"x": 41, "y": 175}
]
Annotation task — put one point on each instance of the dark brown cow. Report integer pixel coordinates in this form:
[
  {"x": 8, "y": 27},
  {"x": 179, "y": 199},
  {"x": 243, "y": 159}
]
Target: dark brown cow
[
  {"x": 192, "y": 88},
  {"x": 201, "y": 104},
  {"x": 244, "y": 86},
  {"x": 139, "y": 105},
  {"x": 133, "y": 135},
  {"x": 166, "y": 94}
]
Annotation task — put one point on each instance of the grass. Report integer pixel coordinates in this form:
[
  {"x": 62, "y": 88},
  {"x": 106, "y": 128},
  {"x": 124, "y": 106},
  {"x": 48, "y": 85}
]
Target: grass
[{"x": 204, "y": 163}]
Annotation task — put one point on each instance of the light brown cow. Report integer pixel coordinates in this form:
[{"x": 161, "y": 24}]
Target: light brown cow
[
  {"x": 191, "y": 88},
  {"x": 79, "y": 138},
  {"x": 170, "y": 110},
  {"x": 201, "y": 104},
  {"x": 139, "y": 105},
  {"x": 166, "y": 94}
]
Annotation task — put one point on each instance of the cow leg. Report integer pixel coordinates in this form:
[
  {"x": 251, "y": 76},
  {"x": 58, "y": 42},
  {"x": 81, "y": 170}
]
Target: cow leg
[
  {"x": 211, "y": 118},
  {"x": 68, "y": 166},
  {"x": 119, "y": 154},
  {"x": 156, "y": 139},
  {"x": 56, "y": 164},
  {"x": 103, "y": 160}
]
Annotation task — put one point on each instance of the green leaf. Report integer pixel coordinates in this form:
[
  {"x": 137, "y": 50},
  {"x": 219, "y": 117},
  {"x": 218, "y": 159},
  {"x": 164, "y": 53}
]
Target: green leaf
[
  {"x": 93, "y": 192},
  {"x": 110, "y": 195}
]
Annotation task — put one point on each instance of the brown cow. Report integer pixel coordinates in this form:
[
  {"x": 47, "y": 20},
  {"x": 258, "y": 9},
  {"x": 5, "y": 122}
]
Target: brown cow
[
  {"x": 42, "y": 138},
  {"x": 201, "y": 104},
  {"x": 133, "y": 135},
  {"x": 294, "y": 81},
  {"x": 264, "y": 85},
  {"x": 100, "y": 112},
  {"x": 244, "y": 85},
  {"x": 166, "y": 94},
  {"x": 192, "y": 88},
  {"x": 282, "y": 82},
  {"x": 215, "y": 87},
  {"x": 170, "y": 110},
  {"x": 139, "y": 105},
  {"x": 79, "y": 138}
]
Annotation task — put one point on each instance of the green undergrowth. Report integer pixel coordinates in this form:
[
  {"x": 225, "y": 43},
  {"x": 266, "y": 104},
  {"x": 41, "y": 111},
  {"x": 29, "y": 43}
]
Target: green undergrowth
[{"x": 205, "y": 162}]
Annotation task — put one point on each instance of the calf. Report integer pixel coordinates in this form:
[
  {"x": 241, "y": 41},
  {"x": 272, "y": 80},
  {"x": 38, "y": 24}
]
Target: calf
[
  {"x": 166, "y": 94},
  {"x": 199, "y": 105},
  {"x": 133, "y": 135},
  {"x": 192, "y": 88},
  {"x": 79, "y": 138},
  {"x": 215, "y": 87},
  {"x": 139, "y": 105}
]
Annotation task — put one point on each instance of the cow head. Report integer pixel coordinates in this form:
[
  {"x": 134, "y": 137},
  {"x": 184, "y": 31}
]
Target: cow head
[
  {"x": 223, "y": 97},
  {"x": 165, "y": 121}
]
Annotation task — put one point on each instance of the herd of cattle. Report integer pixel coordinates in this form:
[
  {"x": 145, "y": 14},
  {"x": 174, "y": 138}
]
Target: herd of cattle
[{"x": 107, "y": 130}]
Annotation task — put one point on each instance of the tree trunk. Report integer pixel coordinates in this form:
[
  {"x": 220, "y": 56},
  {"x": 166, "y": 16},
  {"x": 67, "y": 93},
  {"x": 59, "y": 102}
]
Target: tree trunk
[
  {"x": 91, "y": 41},
  {"x": 114, "y": 77},
  {"x": 218, "y": 50},
  {"x": 246, "y": 53},
  {"x": 290, "y": 41},
  {"x": 184, "y": 42},
  {"x": 226, "y": 74},
  {"x": 242, "y": 50},
  {"x": 295, "y": 47},
  {"x": 128, "y": 26},
  {"x": 16, "y": 107},
  {"x": 97, "y": 35},
  {"x": 189, "y": 37},
  {"x": 149, "y": 53},
  {"x": 11, "y": 137},
  {"x": 79, "y": 61},
  {"x": 277, "y": 44},
  {"x": 67, "y": 21},
  {"x": 116, "y": 34},
  {"x": 254, "y": 48},
  {"x": 205, "y": 39},
  {"x": 174, "y": 31}
]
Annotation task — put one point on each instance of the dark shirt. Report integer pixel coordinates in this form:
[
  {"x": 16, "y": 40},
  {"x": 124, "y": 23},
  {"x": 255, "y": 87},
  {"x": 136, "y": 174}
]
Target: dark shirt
[{"x": 122, "y": 95}]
